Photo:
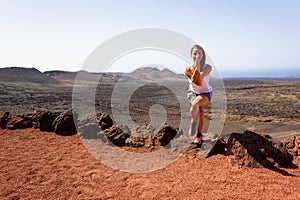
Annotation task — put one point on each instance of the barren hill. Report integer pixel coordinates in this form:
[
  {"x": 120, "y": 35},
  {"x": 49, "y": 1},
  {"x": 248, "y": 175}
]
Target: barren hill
[
  {"x": 63, "y": 74},
  {"x": 154, "y": 74},
  {"x": 149, "y": 74},
  {"x": 21, "y": 74},
  {"x": 67, "y": 76}
]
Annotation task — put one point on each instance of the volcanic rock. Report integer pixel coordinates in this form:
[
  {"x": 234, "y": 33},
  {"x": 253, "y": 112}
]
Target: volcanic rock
[
  {"x": 64, "y": 124},
  {"x": 26, "y": 120},
  {"x": 19, "y": 123},
  {"x": 45, "y": 121},
  {"x": 135, "y": 141},
  {"x": 89, "y": 130},
  {"x": 255, "y": 150},
  {"x": 104, "y": 120},
  {"x": 4, "y": 119},
  {"x": 166, "y": 134},
  {"x": 117, "y": 134},
  {"x": 33, "y": 117},
  {"x": 218, "y": 148},
  {"x": 209, "y": 147},
  {"x": 139, "y": 134},
  {"x": 88, "y": 119},
  {"x": 145, "y": 130},
  {"x": 293, "y": 145}
]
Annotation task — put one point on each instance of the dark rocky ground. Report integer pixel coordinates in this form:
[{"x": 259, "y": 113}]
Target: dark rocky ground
[{"x": 269, "y": 105}]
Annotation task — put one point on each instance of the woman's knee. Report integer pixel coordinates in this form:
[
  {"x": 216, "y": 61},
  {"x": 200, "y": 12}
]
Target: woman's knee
[
  {"x": 204, "y": 101},
  {"x": 198, "y": 99},
  {"x": 194, "y": 107}
]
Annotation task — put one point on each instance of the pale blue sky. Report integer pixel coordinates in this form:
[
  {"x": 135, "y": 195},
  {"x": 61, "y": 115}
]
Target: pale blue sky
[{"x": 238, "y": 35}]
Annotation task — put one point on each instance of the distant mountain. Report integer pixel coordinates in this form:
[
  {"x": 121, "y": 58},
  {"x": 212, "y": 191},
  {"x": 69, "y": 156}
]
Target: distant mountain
[
  {"x": 146, "y": 73},
  {"x": 20, "y": 74},
  {"x": 61, "y": 73},
  {"x": 154, "y": 74},
  {"x": 66, "y": 76},
  {"x": 61, "y": 76}
]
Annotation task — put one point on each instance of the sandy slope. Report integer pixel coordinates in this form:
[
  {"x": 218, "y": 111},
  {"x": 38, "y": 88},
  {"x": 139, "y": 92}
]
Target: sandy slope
[{"x": 37, "y": 165}]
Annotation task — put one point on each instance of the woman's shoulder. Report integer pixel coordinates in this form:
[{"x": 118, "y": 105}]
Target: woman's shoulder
[{"x": 207, "y": 65}]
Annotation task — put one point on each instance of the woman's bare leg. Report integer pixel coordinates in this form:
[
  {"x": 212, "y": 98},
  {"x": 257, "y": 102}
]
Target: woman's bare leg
[
  {"x": 197, "y": 114},
  {"x": 194, "y": 117},
  {"x": 201, "y": 119},
  {"x": 194, "y": 111}
]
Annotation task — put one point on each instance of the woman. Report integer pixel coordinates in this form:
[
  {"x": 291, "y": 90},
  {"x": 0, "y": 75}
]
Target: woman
[{"x": 199, "y": 92}]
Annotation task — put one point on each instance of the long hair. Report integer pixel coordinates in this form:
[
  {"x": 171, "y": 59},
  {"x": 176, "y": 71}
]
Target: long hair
[{"x": 202, "y": 62}]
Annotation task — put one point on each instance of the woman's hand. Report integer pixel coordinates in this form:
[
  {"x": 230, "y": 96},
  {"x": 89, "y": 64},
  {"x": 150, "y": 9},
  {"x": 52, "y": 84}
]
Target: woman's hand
[
  {"x": 194, "y": 75},
  {"x": 197, "y": 62}
]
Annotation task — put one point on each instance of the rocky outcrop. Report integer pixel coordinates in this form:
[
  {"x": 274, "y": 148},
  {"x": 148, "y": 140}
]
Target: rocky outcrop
[
  {"x": 22, "y": 121},
  {"x": 248, "y": 149},
  {"x": 145, "y": 130},
  {"x": 45, "y": 121},
  {"x": 19, "y": 123},
  {"x": 89, "y": 130},
  {"x": 4, "y": 120},
  {"x": 139, "y": 134},
  {"x": 104, "y": 120},
  {"x": 92, "y": 125},
  {"x": 211, "y": 146},
  {"x": 33, "y": 117},
  {"x": 166, "y": 134},
  {"x": 117, "y": 134},
  {"x": 60, "y": 123},
  {"x": 293, "y": 145},
  {"x": 218, "y": 148},
  {"x": 253, "y": 150},
  {"x": 64, "y": 124},
  {"x": 134, "y": 141}
]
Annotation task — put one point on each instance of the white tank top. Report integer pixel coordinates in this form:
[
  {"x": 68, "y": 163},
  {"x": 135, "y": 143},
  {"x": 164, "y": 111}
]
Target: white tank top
[{"x": 204, "y": 88}]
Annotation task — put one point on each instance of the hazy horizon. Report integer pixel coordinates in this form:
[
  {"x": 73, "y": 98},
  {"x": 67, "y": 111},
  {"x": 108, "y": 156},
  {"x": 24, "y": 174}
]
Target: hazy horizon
[{"x": 287, "y": 72}]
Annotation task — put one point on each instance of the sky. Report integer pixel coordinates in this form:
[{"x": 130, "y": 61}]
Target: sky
[{"x": 241, "y": 37}]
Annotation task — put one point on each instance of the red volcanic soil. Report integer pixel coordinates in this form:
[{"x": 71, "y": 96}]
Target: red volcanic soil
[{"x": 40, "y": 165}]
